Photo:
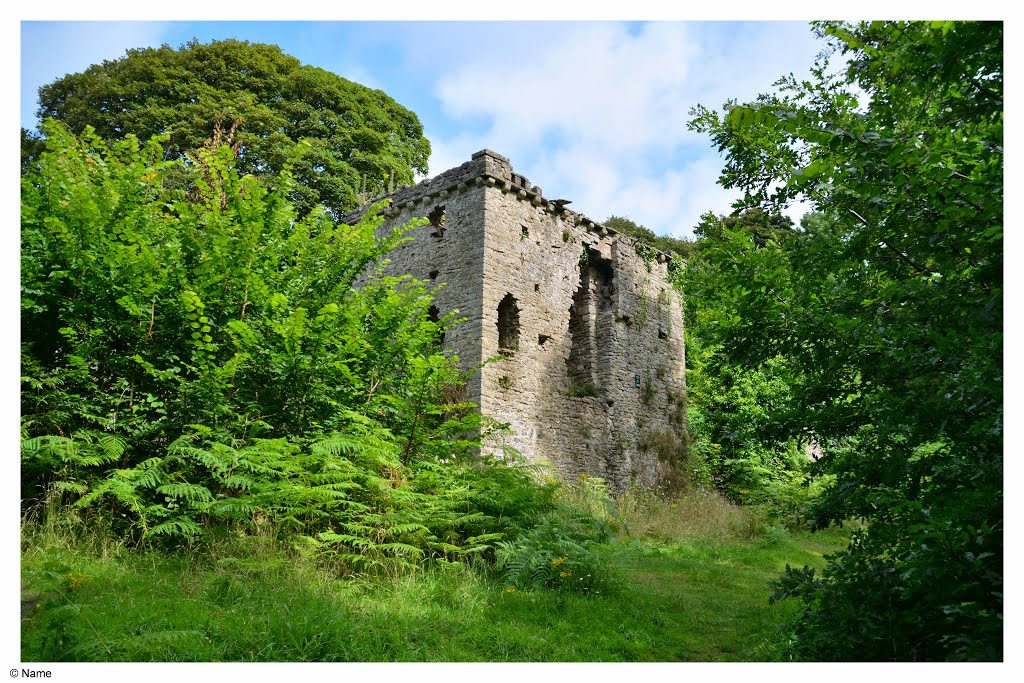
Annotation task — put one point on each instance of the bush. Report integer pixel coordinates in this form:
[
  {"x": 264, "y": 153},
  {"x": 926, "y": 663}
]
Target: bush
[
  {"x": 559, "y": 550},
  {"x": 738, "y": 446}
]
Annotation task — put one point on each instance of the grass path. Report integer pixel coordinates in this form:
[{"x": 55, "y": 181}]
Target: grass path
[{"x": 689, "y": 601}]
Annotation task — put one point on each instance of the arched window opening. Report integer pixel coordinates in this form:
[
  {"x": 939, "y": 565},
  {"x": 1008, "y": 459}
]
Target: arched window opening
[{"x": 508, "y": 325}]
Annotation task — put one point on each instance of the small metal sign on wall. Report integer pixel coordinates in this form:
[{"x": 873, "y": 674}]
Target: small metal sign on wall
[{"x": 636, "y": 379}]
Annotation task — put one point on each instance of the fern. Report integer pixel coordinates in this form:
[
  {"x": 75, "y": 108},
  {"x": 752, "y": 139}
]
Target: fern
[
  {"x": 549, "y": 556},
  {"x": 346, "y": 495},
  {"x": 191, "y": 493},
  {"x": 231, "y": 508},
  {"x": 82, "y": 449},
  {"x": 344, "y": 539},
  {"x": 215, "y": 462},
  {"x": 122, "y": 487},
  {"x": 407, "y": 528},
  {"x": 238, "y": 482},
  {"x": 70, "y": 487},
  {"x": 148, "y": 474},
  {"x": 179, "y": 526},
  {"x": 398, "y": 550}
]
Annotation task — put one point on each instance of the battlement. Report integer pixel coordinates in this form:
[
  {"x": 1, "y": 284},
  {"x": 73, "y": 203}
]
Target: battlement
[{"x": 490, "y": 169}]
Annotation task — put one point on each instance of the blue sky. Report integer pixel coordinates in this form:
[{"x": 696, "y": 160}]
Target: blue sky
[{"x": 594, "y": 112}]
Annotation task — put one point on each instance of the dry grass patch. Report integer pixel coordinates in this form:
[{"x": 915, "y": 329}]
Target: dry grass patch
[{"x": 692, "y": 514}]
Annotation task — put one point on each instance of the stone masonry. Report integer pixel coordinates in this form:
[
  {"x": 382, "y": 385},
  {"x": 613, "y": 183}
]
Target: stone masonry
[{"x": 581, "y": 332}]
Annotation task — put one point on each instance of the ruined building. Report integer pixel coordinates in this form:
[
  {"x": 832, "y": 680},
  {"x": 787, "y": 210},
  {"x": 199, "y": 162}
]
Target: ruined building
[{"x": 587, "y": 329}]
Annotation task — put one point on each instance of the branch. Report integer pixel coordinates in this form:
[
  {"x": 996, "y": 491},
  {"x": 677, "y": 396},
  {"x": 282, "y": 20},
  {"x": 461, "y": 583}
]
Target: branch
[
  {"x": 152, "y": 317},
  {"x": 903, "y": 257},
  {"x": 245, "y": 302},
  {"x": 956, "y": 193}
]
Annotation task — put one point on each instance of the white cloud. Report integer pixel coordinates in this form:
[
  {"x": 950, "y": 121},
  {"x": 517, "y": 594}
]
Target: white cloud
[
  {"x": 597, "y": 113},
  {"x": 357, "y": 73},
  {"x": 597, "y": 83},
  {"x": 446, "y": 154},
  {"x": 668, "y": 202}
]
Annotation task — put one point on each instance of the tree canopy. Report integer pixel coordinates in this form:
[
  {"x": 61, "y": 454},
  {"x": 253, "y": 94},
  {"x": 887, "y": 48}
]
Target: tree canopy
[
  {"x": 666, "y": 243},
  {"x": 886, "y": 307},
  {"x": 358, "y": 142}
]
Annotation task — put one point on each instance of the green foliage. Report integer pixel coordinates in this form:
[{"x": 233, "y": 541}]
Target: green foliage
[
  {"x": 741, "y": 401},
  {"x": 200, "y": 358},
  {"x": 144, "y": 311},
  {"x": 357, "y": 142},
  {"x": 32, "y": 145},
  {"x": 66, "y": 630},
  {"x": 647, "y": 238},
  {"x": 757, "y": 226},
  {"x": 558, "y": 554},
  {"x": 695, "y": 513},
  {"x": 583, "y": 390},
  {"x": 591, "y": 497},
  {"x": 647, "y": 391},
  {"x": 752, "y": 460},
  {"x": 561, "y": 552},
  {"x": 886, "y": 310},
  {"x": 871, "y": 603},
  {"x": 246, "y": 597}
]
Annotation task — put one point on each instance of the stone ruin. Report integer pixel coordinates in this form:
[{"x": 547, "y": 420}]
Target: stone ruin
[{"x": 581, "y": 328}]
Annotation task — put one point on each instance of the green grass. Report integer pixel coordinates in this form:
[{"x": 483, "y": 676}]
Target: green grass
[{"x": 241, "y": 598}]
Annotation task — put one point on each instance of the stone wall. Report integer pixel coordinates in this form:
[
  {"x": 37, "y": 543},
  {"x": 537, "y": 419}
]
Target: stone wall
[{"x": 584, "y": 334}]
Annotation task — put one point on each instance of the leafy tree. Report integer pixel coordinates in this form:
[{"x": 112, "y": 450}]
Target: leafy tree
[
  {"x": 741, "y": 400},
  {"x": 151, "y": 307},
  {"x": 887, "y": 307},
  {"x": 359, "y": 142},
  {"x": 646, "y": 236},
  {"x": 32, "y": 145},
  {"x": 760, "y": 226}
]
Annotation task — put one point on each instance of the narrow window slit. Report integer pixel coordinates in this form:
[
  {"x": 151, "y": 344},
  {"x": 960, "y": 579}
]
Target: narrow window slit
[
  {"x": 508, "y": 325},
  {"x": 437, "y": 220}
]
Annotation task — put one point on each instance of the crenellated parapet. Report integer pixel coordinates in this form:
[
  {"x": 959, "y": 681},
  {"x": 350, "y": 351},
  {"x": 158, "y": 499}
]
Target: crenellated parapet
[{"x": 487, "y": 168}]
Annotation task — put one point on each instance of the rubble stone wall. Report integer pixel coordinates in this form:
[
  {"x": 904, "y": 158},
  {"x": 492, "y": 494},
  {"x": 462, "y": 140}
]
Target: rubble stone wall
[{"x": 583, "y": 331}]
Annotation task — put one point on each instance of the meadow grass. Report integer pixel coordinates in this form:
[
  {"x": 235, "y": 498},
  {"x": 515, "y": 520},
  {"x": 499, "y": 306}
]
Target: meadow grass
[{"x": 689, "y": 583}]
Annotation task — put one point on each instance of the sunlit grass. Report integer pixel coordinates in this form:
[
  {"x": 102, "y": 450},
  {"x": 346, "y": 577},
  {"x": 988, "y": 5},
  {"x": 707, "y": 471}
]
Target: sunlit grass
[{"x": 678, "y": 593}]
